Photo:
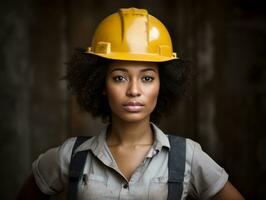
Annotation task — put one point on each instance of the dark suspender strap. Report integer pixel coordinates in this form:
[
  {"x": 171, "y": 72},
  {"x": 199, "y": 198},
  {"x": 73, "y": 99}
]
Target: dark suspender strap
[
  {"x": 176, "y": 167},
  {"x": 76, "y": 167}
]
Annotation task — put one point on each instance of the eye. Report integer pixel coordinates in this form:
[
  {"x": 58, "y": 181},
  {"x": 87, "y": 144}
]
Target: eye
[
  {"x": 119, "y": 78},
  {"x": 147, "y": 79}
]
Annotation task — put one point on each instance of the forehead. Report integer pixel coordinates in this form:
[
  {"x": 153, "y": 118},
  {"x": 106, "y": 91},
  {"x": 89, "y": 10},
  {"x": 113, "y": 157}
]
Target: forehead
[{"x": 132, "y": 65}]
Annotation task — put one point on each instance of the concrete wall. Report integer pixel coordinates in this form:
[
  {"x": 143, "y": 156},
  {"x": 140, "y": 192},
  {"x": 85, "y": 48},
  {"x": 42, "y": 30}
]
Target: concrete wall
[{"x": 33, "y": 100}]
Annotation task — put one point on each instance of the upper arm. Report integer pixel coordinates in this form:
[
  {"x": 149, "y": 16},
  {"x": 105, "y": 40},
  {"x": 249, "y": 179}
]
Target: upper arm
[
  {"x": 228, "y": 192},
  {"x": 50, "y": 170},
  {"x": 207, "y": 177}
]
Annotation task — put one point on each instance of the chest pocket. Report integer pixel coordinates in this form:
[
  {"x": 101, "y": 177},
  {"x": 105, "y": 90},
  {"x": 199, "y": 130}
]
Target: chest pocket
[
  {"x": 158, "y": 188},
  {"x": 93, "y": 187}
]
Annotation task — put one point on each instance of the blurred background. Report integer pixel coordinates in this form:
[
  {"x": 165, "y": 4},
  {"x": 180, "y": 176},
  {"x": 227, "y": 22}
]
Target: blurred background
[{"x": 226, "y": 113}]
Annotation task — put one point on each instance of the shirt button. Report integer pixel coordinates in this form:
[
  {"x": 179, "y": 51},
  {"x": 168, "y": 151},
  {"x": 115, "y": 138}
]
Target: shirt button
[{"x": 125, "y": 186}]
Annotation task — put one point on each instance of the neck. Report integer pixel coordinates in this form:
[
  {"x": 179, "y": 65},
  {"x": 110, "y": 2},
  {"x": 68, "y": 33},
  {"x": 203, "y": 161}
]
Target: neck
[{"x": 129, "y": 133}]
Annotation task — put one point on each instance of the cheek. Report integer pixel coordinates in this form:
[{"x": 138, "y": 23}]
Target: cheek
[
  {"x": 113, "y": 94},
  {"x": 153, "y": 93}
]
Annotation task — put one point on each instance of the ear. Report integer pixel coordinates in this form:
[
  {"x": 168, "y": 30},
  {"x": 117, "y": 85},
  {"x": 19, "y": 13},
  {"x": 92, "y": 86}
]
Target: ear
[{"x": 104, "y": 92}]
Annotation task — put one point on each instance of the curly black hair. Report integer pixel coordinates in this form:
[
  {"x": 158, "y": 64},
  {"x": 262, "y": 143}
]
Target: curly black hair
[{"x": 85, "y": 76}]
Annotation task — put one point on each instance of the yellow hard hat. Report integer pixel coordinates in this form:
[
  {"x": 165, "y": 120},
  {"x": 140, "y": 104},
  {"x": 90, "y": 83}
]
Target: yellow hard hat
[{"x": 132, "y": 34}]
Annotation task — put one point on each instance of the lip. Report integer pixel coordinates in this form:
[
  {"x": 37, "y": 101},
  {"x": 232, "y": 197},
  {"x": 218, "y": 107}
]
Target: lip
[{"x": 133, "y": 106}]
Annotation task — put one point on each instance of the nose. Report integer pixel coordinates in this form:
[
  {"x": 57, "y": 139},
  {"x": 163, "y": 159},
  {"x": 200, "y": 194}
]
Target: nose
[{"x": 133, "y": 89}]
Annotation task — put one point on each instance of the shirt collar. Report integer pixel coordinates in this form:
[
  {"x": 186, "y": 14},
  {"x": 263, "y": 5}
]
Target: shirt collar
[
  {"x": 98, "y": 142},
  {"x": 160, "y": 139}
]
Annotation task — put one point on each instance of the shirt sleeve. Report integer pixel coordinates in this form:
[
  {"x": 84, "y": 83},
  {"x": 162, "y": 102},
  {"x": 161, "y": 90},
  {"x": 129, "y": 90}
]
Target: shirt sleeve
[
  {"x": 50, "y": 169},
  {"x": 207, "y": 177}
]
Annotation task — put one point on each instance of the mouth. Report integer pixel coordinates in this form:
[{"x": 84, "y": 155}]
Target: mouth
[{"x": 133, "y": 106}]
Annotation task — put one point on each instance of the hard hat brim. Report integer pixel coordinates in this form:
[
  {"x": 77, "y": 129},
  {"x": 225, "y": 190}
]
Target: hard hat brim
[{"x": 135, "y": 57}]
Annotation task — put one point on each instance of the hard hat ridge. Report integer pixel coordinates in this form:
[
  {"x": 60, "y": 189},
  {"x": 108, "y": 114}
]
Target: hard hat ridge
[{"x": 132, "y": 34}]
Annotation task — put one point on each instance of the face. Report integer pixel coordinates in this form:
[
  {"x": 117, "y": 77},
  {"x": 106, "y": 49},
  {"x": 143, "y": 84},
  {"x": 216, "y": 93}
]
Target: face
[{"x": 132, "y": 89}]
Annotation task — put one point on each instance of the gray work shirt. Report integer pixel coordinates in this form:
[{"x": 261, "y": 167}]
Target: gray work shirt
[{"x": 102, "y": 178}]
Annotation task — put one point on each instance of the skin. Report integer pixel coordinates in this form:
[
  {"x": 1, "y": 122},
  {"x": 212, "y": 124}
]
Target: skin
[
  {"x": 130, "y": 136},
  {"x": 229, "y": 192}
]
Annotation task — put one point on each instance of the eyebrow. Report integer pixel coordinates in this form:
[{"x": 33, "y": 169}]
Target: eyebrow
[{"x": 125, "y": 70}]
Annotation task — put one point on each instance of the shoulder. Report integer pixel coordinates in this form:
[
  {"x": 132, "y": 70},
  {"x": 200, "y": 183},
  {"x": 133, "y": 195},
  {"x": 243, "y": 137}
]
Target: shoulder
[
  {"x": 191, "y": 148},
  {"x": 55, "y": 153},
  {"x": 66, "y": 147},
  {"x": 206, "y": 177},
  {"x": 55, "y": 157},
  {"x": 190, "y": 145},
  {"x": 51, "y": 168},
  {"x": 79, "y": 143}
]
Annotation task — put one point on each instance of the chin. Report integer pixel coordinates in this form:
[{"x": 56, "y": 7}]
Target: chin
[{"x": 133, "y": 117}]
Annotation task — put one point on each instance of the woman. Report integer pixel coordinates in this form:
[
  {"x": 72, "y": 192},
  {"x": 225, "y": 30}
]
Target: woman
[{"x": 129, "y": 77}]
